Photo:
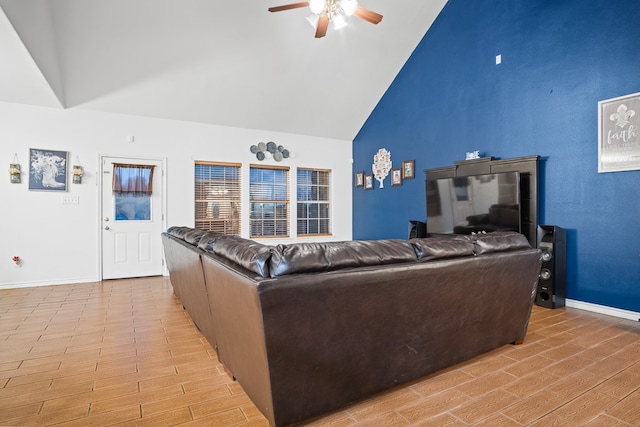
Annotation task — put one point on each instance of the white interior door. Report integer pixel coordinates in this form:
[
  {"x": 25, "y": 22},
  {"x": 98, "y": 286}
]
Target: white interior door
[{"x": 131, "y": 223}]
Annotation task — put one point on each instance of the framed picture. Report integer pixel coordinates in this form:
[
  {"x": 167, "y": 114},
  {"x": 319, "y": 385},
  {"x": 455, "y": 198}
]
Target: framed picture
[
  {"x": 359, "y": 179},
  {"x": 408, "y": 169},
  {"x": 368, "y": 182},
  {"x": 396, "y": 176},
  {"x": 48, "y": 170},
  {"x": 619, "y": 134}
]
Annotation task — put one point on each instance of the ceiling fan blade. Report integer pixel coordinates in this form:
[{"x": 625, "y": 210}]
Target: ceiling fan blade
[
  {"x": 368, "y": 15},
  {"x": 289, "y": 6},
  {"x": 323, "y": 24}
]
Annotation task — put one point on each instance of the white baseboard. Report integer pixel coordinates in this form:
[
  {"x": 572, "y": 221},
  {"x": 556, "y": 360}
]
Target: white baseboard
[
  {"x": 56, "y": 282},
  {"x": 48, "y": 283},
  {"x": 603, "y": 309}
]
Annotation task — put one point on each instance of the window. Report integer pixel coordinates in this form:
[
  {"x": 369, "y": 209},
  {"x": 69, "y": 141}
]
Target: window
[
  {"x": 313, "y": 202},
  {"x": 217, "y": 197},
  {"x": 269, "y": 198},
  {"x": 132, "y": 189}
]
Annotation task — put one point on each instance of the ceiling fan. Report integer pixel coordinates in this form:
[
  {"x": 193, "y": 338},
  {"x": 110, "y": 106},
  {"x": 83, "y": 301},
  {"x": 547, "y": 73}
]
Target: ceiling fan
[{"x": 325, "y": 11}]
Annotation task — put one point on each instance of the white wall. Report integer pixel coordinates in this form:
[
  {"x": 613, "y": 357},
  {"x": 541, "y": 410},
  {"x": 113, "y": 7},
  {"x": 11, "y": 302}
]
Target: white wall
[{"x": 59, "y": 243}]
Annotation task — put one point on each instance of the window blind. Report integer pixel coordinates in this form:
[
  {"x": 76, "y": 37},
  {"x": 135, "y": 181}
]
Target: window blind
[
  {"x": 313, "y": 202},
  {"x": 269, "y": 201},
  {"x": 217, "y": 197}
]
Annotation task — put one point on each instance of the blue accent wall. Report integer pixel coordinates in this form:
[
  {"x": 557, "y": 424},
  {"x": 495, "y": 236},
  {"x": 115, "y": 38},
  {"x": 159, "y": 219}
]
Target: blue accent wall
[{"x": 559, "y": 58}]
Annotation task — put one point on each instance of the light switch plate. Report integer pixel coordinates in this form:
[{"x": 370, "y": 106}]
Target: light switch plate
[{"x": 70, "y": 200}]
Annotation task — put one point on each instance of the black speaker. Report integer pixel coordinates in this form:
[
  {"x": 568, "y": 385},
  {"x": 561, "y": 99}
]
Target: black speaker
[
  {"x": 417, "y": 229},
  {"x": 552, "y": 283}
]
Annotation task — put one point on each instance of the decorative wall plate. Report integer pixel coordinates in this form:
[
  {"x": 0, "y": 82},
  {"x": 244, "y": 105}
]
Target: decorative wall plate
[{"x": 270, "y": 150}]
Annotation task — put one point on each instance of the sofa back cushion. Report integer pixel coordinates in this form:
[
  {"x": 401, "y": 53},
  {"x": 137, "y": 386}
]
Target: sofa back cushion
[
  {"x": 248, "y": 254},
  {"x": 188, "y": 234},
  {"x": 328, "y": 256},
  {"x": 193, "y": 236},
  {"x": 208, "y": 240},
  {"x": 499, "y": 241},
  {"x": 429, "y": 248},
  {"x": 178, "y": 231}
]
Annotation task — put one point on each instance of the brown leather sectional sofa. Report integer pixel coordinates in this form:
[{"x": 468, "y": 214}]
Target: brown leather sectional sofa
[{"x": 306, "y": 328}]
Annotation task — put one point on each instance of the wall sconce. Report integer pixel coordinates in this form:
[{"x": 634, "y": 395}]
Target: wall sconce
[
  {"x": 14, "y": 170},
  {"x": 77, "y": 172}
]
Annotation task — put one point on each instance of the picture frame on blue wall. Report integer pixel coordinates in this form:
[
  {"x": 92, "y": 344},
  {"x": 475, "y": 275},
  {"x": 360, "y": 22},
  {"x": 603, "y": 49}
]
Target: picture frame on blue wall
[
  {"x": 368, "y": 182},
  {"x": 408, "y": 169},
  {"x": 619, "y": 134},
  {"x": 360, "y": 179},
  {"x": 396, "y": 176}
]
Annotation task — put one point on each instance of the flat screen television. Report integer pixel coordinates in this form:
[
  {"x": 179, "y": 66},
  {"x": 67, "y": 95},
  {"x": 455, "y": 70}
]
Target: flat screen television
[{"x": 474, "y": 204}]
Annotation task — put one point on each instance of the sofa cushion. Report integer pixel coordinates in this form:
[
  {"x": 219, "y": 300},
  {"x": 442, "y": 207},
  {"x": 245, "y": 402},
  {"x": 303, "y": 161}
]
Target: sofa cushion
[
  {"x": 178, "y": 231},
  {"x": 327, "y": 256},
  {"x": 193, "y": 236},
  {"x": 208, "y": 240},
  {"x": 442, "y": 247},
  {"x": 499, "y": 241},
  {"x": 248, "y": 254}
]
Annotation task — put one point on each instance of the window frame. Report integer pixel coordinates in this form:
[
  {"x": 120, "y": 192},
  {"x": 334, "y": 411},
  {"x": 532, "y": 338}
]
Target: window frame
[
  {"x": 280, "y": 222},
  {"x": 225, "y": 216},
  {"x": 322, "y": 231}
]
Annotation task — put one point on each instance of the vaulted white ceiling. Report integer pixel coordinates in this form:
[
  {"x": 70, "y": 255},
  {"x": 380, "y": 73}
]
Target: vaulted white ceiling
[{"x": 229, "y": 63}]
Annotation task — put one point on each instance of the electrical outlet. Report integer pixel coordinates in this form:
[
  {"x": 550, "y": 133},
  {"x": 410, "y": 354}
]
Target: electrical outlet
[{"x": 70, "y": 200}]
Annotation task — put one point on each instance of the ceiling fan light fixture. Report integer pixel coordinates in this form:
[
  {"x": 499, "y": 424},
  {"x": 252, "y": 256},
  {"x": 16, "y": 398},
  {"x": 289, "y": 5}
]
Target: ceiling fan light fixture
[
  {"x": 316, "y": 6},
  {"x": 349, "y": 6},
  {"x": 313, "y": 20},
  {"x": 326, "y": 11},
  {"x": 339, "y": 22}
]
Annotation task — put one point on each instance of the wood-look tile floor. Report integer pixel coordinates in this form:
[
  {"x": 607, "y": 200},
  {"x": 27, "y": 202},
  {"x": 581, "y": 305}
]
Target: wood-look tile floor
[{"x": 124, "y": 352}]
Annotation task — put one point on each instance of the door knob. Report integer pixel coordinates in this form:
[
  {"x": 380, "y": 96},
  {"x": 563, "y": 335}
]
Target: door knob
[
  {"x": 106, "y": 219},
  {"x": 106, "y": 227}
]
